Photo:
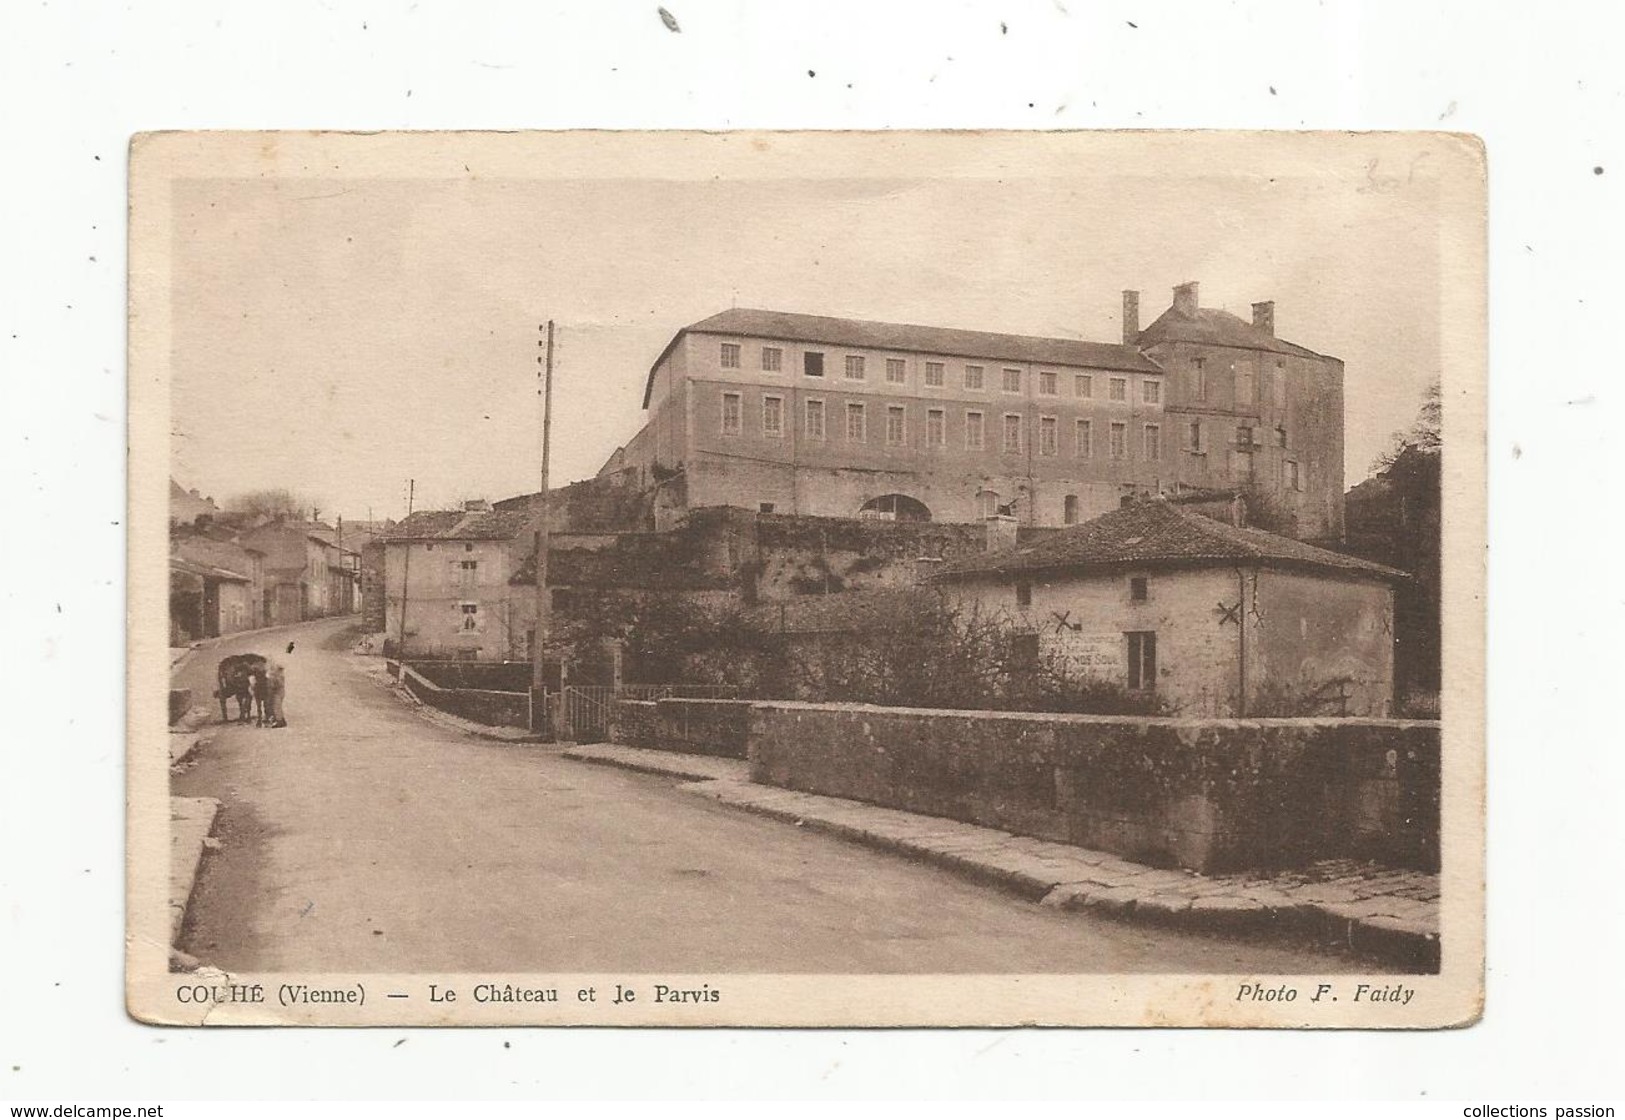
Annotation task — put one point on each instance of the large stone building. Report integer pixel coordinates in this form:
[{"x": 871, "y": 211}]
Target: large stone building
[{"x": 803, "y": 414}]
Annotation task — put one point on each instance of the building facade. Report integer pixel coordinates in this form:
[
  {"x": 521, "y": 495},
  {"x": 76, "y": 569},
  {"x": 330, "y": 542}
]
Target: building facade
[
  {"x": 306, "y": 575},
  {"x": 801, "y": 414},
  {"x": 1214, "y": 619},
  {"x": 446, "y": 590}
]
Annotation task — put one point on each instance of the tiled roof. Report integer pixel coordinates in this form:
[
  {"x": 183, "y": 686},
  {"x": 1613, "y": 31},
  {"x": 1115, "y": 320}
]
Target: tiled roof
[
  {"x": 946, "y": 341},
  {"x": 207, "y": 571},
  {"x": 1217, "y": 328},
  {"x": 1161, "y": 534},
  {"x": 457, "y": 525}
]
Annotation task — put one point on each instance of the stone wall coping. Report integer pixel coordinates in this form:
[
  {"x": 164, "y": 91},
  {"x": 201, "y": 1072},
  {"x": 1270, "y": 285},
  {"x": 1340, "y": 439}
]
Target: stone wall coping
[{"x": 1081, "y": 718}]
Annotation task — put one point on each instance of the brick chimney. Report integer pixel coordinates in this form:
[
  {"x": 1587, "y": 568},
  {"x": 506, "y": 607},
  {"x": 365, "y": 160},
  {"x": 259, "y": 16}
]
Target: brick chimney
[
  {"x": 1001, "y": 532},
  {"x": 1185, "y": 299},
  {"x": 1131, "y": 317},
  {"x": 1264, "y": 317}
]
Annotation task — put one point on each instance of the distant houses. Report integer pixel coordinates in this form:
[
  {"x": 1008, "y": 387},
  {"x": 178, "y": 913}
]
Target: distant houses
[{"x": 226, "y": 578}]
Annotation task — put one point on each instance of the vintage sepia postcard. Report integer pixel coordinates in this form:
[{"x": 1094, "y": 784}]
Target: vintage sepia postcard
[{"x": 807, "y": 579}]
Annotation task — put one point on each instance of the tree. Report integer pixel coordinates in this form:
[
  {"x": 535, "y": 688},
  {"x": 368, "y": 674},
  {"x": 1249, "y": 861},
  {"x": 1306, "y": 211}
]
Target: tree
[
  {"x": 1421, "y": 436},
  {"x": 270, "y": 505}
]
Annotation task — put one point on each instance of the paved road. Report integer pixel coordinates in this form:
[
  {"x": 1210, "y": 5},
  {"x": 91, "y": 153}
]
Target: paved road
[{"x": 363, "y": 837}]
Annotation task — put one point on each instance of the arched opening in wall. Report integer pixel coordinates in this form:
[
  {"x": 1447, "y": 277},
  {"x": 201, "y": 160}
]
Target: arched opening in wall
[
  {"x": 1069, "y": 510},
  {"x": 989, "y": 503},
  {"x": 894, "y": 507}
]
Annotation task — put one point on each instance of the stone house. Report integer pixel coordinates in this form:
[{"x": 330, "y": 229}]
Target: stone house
[
  {"x": 305, "y": 572},
  {"x": 810, "y": 415},
  {"x": 446, "y": 590},
  {"x": 1216, "y": 619},
  {"x": 212, "y": 554}
]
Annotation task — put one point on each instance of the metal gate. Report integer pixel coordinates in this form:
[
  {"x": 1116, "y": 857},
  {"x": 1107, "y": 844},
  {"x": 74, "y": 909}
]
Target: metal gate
[{"x": 585, "y": 710}]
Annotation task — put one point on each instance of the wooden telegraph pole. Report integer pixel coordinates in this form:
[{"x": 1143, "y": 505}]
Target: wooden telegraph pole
[
  {"x": 538, "y": 679},
  {"x": 406, "y": 570}
]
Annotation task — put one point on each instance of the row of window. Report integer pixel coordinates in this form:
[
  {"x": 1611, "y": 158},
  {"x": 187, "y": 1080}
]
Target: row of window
[
  {"x": 936, "y": 374},
  {"x": 855, "y": 422},
  {"x": 1246, "y": 383}
]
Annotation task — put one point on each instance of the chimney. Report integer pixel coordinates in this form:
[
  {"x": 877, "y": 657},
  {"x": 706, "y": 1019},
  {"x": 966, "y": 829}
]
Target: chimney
[
  {"x": 1131, "y": 317},
  {"x": 1264, "y": 317},
  {"x": 1001, "y": 532},
  {"x": 477, "y": 505},
  {"x": 1185, "y": 299}
]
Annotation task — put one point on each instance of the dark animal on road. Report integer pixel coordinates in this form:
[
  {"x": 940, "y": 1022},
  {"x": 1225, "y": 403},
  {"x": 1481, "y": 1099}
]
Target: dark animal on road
[{"x": 234, "y": 674}]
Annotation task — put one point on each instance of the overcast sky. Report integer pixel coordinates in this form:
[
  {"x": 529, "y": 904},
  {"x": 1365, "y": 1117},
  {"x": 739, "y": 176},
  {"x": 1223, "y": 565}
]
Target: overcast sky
[{"x": 337, "y": 337}]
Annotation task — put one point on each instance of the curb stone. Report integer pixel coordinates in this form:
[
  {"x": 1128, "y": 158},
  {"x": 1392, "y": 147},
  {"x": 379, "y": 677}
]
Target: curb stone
[{"x": 1397, "y": 929}]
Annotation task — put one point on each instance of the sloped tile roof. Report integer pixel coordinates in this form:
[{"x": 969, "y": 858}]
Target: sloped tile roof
[
  {"x": 207, "y": 571},
  {"x": 946, "y": 341},
  {"x": 1218, "y": 328},
  {"x": 1155, "y": 534},
  {"x": 457, "y": 525}
]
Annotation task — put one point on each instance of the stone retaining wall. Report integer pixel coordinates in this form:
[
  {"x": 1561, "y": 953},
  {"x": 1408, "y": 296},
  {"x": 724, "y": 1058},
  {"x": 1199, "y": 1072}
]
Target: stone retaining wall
[
  {"x": 1211, "y": 795},
  {"x": 487, "y": 706},
  {"x": 712, "y": 727}
]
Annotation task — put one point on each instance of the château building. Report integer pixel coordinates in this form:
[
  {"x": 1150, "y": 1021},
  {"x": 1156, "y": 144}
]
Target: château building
[{"x": 804, "y": 414}]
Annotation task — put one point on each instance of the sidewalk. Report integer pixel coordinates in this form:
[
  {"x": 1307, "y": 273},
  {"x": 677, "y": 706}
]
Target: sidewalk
[
  {"x": 191, "y": 820},
  {"x": 1375, "y": 911}
]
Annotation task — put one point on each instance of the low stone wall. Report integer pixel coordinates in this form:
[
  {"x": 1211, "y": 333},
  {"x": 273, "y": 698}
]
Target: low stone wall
[
  {"x": 491, "y": 676},
  {"x": 488, "y": 706},
  {"x": 720, "y": 728},
  {"x": 1209, "y": 795}
]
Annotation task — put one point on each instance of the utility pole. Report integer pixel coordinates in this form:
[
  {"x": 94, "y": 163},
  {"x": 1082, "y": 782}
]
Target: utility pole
[
  {"x": 538, "y": 678},
  {"x": 406, "y": 569}
]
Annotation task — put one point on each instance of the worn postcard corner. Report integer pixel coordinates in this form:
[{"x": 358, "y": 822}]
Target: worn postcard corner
[{"x": 807, "y": 579}]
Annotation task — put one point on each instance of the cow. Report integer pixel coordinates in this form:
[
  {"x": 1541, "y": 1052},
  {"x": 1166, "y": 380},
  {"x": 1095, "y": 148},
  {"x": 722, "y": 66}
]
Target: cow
[{"x": 234, "y": 675}]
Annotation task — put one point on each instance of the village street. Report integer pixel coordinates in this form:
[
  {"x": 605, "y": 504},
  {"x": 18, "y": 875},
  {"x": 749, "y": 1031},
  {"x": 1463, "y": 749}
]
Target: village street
[{"x": 364, "y": 837}]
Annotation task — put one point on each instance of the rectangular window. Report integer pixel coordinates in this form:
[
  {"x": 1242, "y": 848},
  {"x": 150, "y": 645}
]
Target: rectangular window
[
  {"x": 855, "y": 427},
  {"x": 973, "y": 377},
  {"x": 731, "y": 411},
  {"x": 1012, "y": 380},
  {"x": 1278, "y": 385},
  {"x": 933, "y": 374},
  {"x": 974, "y": 439},
  {"x": 1280, "y": 437},
  {"x": 1024, "y": 593},
  {"x": 1137, "y": 589},
  {"x": 470, "y": 617},
  {"x": 1151, "y": 391},
  {"x": 468, "y": 573},
  {"x": 1244, "y": 435},
  {"x": 1246, "y": 386},
  {"x": 896, "y": 432},
  {"x": 812, "y": 363},
  {"x": 772, "y": 416},
  {"x": 1196, "y": 436},
  {"x": 765, "y": 507},
  {"x": 1012, "y": 433},
  {"x": 1047, "y": 384},
  {"x": 1199, "y": 379},
  {"x": 1086, "y": 439},
  {"x": 1294, "y": 481},
  {"x": 854, "y": 367},
  {"x": 815, "y": 419},
  {"x": 1153, "y": 442},
  {"x": 1119, "y": 389},
  {"x": 1084, "y": 386},
  {"x": 1142, "y": 660},
  {"x": 772, "y": 359},
  {"x": 936, "y": 427},
  {"x": 895, "y": 371},
  {"x": 730, "y": 355},
  {"x": 1119, "y": 441},
  {"x": 1241, "y": 465},
  {"x": 1048, "y": 435}
]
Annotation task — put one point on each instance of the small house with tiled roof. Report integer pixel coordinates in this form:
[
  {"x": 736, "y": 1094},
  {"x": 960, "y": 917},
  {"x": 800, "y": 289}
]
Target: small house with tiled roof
[
  {"x": 447, "y": 590},
  {"x": 1215, "y": 618}
]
